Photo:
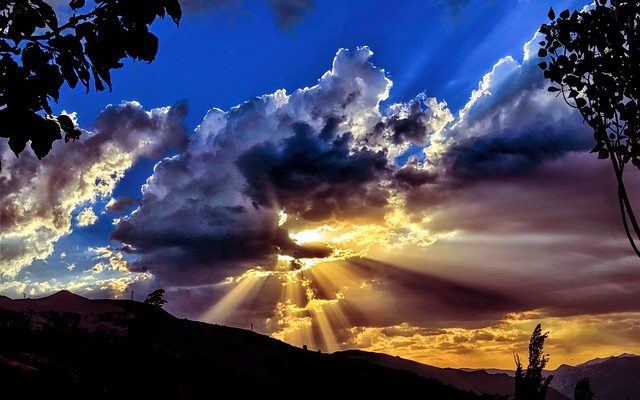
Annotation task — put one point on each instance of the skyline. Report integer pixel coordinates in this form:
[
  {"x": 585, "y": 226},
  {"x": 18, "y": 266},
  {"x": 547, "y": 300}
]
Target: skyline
[{"x": 434, "y": 205}]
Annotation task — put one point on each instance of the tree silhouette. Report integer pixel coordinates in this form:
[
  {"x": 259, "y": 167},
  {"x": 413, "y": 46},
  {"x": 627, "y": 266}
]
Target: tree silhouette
[
  {"x": 39, "y": 53},
  {"x": 593, "y": 59},
  {"x": 530, "y": 385},
  {"x": 582, "y": 390},
  {"x": 156, "y": 298}
]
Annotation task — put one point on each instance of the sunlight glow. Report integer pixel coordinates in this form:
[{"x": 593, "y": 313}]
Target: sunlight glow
[
  {"x": 247, "y": 287},
  {"x": 310, "y": 235},
  {"x": 307, "y": 295}
]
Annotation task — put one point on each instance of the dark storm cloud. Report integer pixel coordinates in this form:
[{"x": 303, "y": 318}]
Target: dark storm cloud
[
  {"x": 412, "y": 128},
  {"x": 510, "y": 127},
  {"x": 212, "y": 244},
  {"x": 551, "y": 238},
  {"x": 316, "y": 176},
  {"x": 411, "y": 176},
  {"x": 512, "y": 151}
]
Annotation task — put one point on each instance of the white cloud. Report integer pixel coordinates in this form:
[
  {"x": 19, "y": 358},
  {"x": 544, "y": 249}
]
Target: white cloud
[
  {"x": 86, "y": 217},
  {"x": 39, "y": 196}
]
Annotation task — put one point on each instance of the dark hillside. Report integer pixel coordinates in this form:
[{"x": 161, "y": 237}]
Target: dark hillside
[{"x": 66, "y": 345}]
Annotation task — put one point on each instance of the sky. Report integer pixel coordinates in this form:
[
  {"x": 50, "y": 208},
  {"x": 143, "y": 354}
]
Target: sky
[{"x": 385, "y": 176}]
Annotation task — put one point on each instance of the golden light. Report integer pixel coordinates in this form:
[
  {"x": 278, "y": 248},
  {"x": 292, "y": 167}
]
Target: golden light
[
  {"x": 307, "y": 294},
  {"x": 310, "y": 235},
  {"x": 247, "y": 287},
  {"x": 308, "y": 310}
]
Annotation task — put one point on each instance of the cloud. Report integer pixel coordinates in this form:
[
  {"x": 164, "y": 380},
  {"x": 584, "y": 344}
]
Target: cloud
[
  {"x": 38, "y": 197},
  {"x": 120, "y": 204},
  {"x": 86, "y": 217},
  {"x": 509, "y": 126},
  {"x": 409, "y": 123},
  {"x": 575, "y": 340},
  {"x": 316, "y": 176},
  {"x": 97, "y": 282},
  {"x": 324, "y": 158},
  {"x": 213, "y": 210},
  {"x": 288, "y": 12}
]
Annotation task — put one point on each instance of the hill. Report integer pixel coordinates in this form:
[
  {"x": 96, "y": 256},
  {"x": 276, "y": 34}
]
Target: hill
[
  {"x": 68, "y": 346},
  {"x": 478, "y": 381}
]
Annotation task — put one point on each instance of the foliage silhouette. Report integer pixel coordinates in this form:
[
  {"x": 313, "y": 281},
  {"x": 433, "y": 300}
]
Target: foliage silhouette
[
  {"x": 592, "y": 60},
  {"x": 529, "y": 384},
  {"x": 156, "y": 298},
  {"x": 39, "y": 53},
  {"x": 583, "y": 390}
]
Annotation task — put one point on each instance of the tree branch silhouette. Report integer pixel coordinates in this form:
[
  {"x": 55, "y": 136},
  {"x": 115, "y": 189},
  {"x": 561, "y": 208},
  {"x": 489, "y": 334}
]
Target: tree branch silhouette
[
  {"x": 593, "y": 56},
  {"x": 38, "y": 54}
]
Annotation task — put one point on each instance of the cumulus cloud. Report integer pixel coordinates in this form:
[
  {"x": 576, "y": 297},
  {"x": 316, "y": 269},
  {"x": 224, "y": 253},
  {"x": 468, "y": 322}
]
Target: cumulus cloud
[
  {"x": 86, "y": 217},
  {"x": 508, "y": 190},
  {"x": 39, "y": 196},
  {"x": 509, "y": 126},
  {"x": 314, "y": 154}
]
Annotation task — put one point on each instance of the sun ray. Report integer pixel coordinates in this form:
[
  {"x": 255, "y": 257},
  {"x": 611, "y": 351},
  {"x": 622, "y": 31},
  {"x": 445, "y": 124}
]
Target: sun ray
[
  {"x": 309, "y": 307},
  {"x": 248, "y": 287}
]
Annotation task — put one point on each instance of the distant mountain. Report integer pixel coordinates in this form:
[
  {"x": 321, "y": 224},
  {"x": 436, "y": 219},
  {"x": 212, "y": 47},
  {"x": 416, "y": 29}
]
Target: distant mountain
[
  {"x": 510, "y": 372},
  {"x": 611, "y": 378},
  {"x": 66, "y": 346},
  {"x": 601, "y": 360},
  {"x": 478, "y": 381}
]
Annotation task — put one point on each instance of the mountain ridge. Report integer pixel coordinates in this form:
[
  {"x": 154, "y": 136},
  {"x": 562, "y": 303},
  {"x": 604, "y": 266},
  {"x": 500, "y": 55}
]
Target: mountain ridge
[
  {"x": 39, "y": 331},
  {"x": 478, "y": 381},
  {"x": 68, "y": 346}
]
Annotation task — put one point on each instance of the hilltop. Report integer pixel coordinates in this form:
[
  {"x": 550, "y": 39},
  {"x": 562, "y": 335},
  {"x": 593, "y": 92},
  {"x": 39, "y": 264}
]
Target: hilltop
[{"x": 67, "y": 345}]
